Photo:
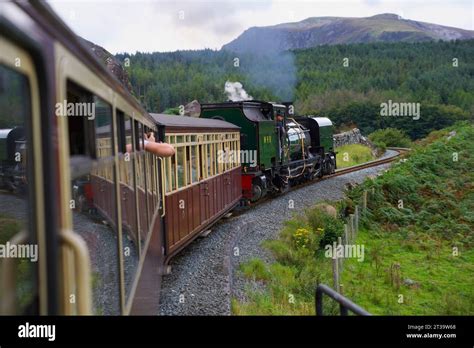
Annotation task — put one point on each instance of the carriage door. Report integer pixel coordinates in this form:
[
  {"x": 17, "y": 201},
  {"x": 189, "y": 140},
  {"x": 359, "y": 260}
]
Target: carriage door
[{"x": 23, "y": 251}]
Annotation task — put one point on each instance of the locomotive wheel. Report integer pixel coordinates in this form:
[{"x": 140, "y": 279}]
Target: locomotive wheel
[
  {"x": 329, "y": 166},
  {"x": 333, "y": 166},
  {"x": 284, "y": 188},
  {"x": 257, "y": 193}
]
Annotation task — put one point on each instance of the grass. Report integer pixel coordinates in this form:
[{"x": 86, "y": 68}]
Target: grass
[
  {"x": 287, "y": 286},
  {"x": 419, "y": 220},
  {"x": 23, "y": 267},
  {"x": 8, "y": 227},
  {"x": 443, "y": 282},
  {"x": 354, "y": 154}
]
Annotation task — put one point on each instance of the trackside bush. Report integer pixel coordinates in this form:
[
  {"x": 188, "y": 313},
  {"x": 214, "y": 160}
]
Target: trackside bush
[{"x": 390, "y": 137}]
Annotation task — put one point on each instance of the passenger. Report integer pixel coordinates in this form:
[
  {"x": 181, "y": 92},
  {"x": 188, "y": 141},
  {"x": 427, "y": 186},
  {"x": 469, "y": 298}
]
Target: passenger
[
  {"x": 281, "y": 132},
  {"x": 157, "y": 148}
]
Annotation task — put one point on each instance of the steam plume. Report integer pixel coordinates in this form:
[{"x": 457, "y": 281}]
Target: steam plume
[{"x": 236, "y": 92}]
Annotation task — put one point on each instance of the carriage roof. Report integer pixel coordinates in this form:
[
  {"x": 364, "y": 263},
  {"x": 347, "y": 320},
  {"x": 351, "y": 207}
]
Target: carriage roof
[{"x": 175, "y": 122}]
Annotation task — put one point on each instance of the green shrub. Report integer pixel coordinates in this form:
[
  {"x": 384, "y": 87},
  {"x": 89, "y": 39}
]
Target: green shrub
[
  {"x": 381, "y": 146},
  {"x": 325, "y": 227},
  {"x": 391, "y": 137}
]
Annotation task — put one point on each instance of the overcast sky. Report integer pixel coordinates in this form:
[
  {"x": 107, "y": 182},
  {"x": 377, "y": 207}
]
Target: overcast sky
[{"x": 167, "y": 25}]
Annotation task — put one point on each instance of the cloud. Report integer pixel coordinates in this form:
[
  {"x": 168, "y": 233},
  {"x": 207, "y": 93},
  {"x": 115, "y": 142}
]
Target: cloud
[{"x": 146, "y": 25}]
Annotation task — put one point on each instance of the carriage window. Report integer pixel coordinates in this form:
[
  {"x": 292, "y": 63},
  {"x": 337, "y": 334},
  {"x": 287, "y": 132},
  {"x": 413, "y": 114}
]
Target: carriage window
[
  {"x": 103, "y": 128},
  {"x": 138, "y": 136},
  {"x": 194, "y": 164},
  {"x": 121, "y": 131},
  {"x": 93, "y": 197},
  {"x": 209, "y": 160},
  {"x": 215, "y": 146},
  {"x": 198, "y": 157},
  {"x": 172, "y": 172},
  {"x": 130, "y": 236},
  {"x": 80, "y": 125},
  {"x": 15, "y": 208},
  {"x": 140, "y": 155},
  {"x": 181, "y": 168},
  {"x": 150, "y": 166},
  {"x": 124, "y": 136},
  {"x": 140, "y": 180},
  {"x": 188, "y": 165},
  {"x": 103, "y": 135},
  {"x": 221, "y": 160}
]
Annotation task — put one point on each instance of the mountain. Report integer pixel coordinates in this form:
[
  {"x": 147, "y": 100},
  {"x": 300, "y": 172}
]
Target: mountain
[{"x": 317, "y": 31}]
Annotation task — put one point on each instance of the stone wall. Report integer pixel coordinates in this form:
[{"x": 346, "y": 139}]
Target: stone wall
[{"x": 353, "y": 136}]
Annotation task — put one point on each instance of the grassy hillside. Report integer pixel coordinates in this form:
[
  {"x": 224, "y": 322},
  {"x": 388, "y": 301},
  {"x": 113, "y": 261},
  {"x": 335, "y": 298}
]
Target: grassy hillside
[
  {"x": 351, "y": 155},
  {"x": 420, "y": 220}
]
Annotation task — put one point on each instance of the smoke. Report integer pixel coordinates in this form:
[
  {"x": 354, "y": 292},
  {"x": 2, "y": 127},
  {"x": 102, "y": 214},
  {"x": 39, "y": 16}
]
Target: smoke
[
  {"x": 236, "y": 92},
  {"x": 275, "y": 72}
]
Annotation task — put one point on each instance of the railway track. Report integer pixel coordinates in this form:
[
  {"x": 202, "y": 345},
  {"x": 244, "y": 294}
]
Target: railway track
[
  {"x": 401, "y": 151},
  {"x": 206, "y": 273},
  {"x": 374, "y": 163}
]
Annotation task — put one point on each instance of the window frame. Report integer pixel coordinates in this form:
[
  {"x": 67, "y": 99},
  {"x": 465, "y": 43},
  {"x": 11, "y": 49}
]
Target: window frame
[
  {"x": 206, "y": 147},
  {"x": 11, "y": 53}
]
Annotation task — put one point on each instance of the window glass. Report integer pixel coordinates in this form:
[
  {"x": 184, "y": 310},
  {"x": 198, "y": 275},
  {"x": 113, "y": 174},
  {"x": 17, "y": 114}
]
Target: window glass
[
  {"x": 209, "y": 159},
  {"x": 103, "y": 128},
  {"x": 140, "y": 179},
  {"x": 172, "y": 162},
  {"x": 94, "y": 201},
  {"x": 130, "y": 235},
  {"x": 15, "y": 204},
  {"x": 188, "y": 165},
  {"x": 203, "y": 161},
  {"x": 215, "y": 165},
  {"x": 180, "y": 158},
  {"x": 194, "y": 163}
]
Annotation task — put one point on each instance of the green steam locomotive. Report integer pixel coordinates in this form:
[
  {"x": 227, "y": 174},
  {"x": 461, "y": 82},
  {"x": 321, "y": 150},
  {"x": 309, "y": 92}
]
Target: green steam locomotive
[{"x": 277, "y": 149}]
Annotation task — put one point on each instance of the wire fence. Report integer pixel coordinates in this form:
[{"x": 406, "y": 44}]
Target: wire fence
[{"x": 348, "y": 238}]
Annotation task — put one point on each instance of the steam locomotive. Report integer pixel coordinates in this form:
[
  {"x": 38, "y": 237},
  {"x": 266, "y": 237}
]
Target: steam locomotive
[
  {"x": 278, "y": 149},
  {"x": 12, "y": 159}
]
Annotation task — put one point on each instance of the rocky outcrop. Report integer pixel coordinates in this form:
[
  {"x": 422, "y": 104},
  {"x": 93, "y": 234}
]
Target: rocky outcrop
[
  {"x": 112, "y": 64},
  {"x": 353, "y": 136},
  {"x": 192, "y": 109}
]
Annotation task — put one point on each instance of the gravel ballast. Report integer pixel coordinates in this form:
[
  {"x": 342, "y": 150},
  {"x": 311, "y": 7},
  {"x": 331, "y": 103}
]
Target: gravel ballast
[{"x": 204, "y": 276}]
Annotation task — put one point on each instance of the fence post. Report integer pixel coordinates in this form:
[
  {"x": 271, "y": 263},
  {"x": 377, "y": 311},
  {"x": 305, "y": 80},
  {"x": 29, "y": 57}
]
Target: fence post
[
  {"x": 346, "y": 233},
  {"x": 335, "y": 272},
  {"x": 339, "y": 241},
  {"x": 351, "y": 221},
  {"x": 364, "y": 200},
  {"x": 356, "y": 213}
]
